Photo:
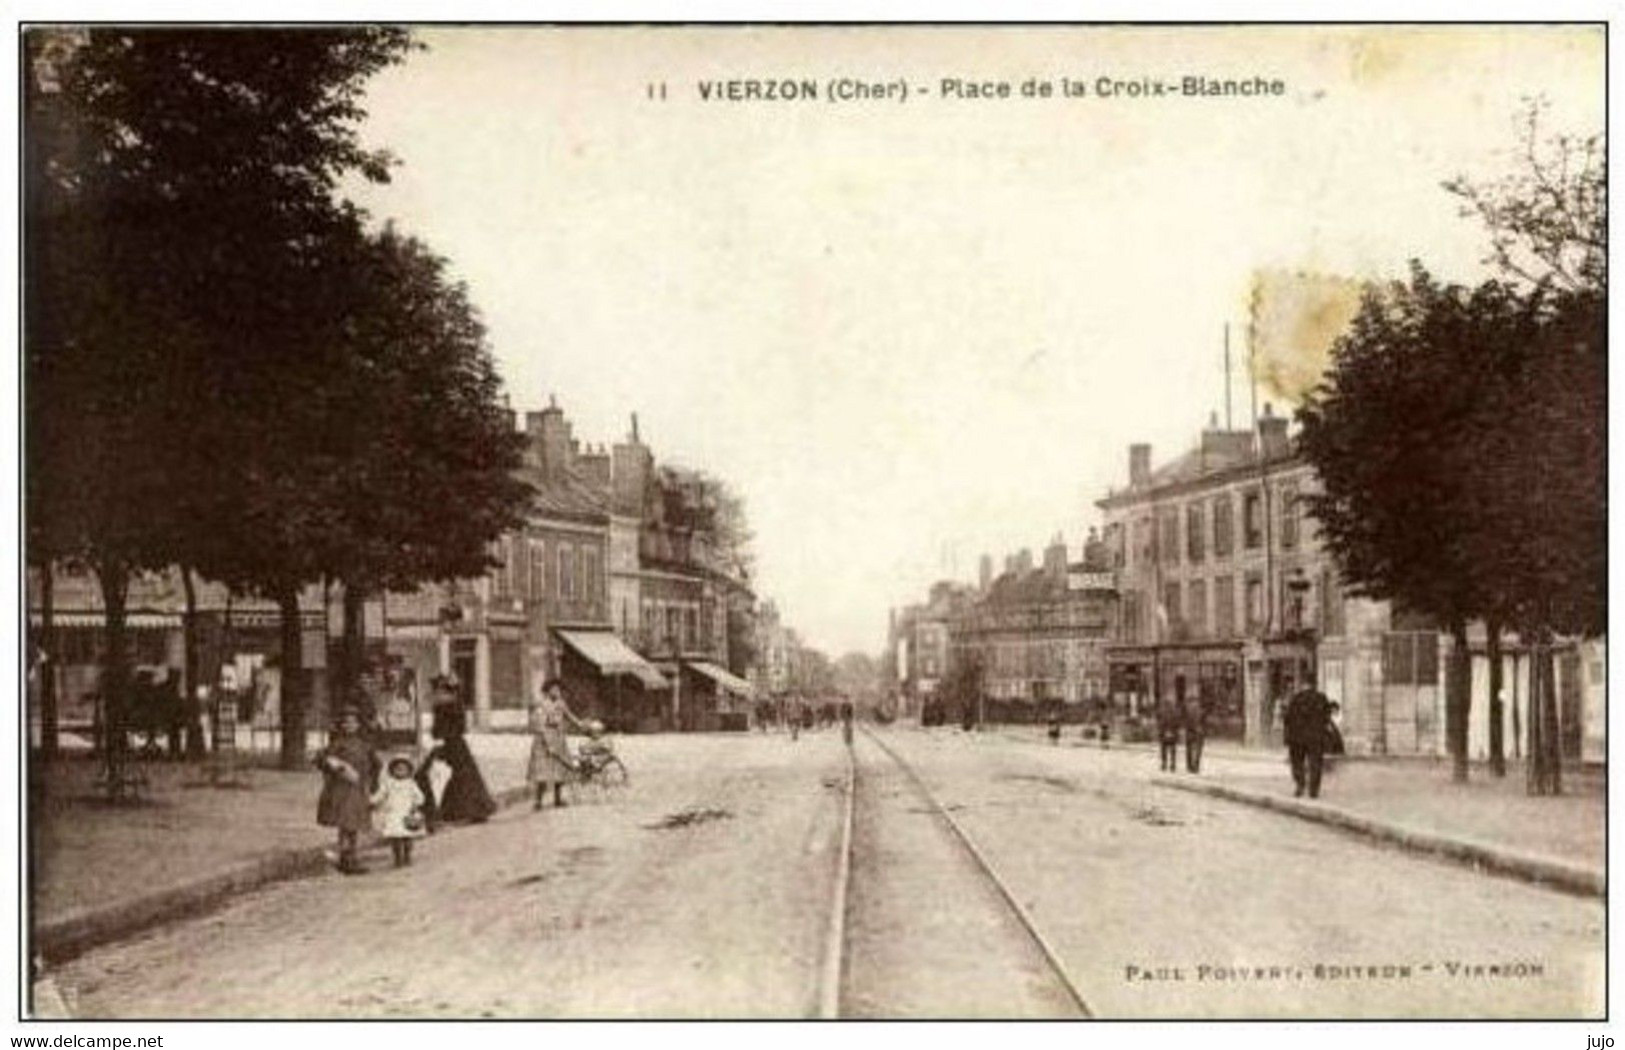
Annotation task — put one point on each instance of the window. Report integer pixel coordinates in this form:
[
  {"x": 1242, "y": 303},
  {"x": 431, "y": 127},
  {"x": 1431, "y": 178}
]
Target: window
[
  {"x": 1196, "y": 607},
  {"x": 1224, "y": 528},
  {"x": 1289, "y": 515},
  {"x": 538, "y": 571},
  {"x": 1195, "y": 533},
  {"x": 1131, "y": 616},
  {"x": 1252, "y": 515},
  {"x": 1143, "y": 541},
  {"x": 502, "y": 573},
  {"x": 1171, "y": 608},
  {"x": 1332, "y": 621},
  {"x": 1410, "y": 658},
  {"x": 592, "y": 572},
  {"x": 566, "y": 579},
  {"x": 1169, "y": 549},
  {"x": 1255, "y": 603},
  {"x": 1224, "y": 606}
]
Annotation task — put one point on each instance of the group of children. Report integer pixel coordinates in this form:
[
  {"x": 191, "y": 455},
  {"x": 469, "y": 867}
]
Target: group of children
[{"x": 356, "y": 798}]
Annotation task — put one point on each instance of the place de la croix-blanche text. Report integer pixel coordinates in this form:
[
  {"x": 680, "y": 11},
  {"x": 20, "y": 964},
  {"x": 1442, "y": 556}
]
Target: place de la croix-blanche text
[{"x": 968, "y": 89}]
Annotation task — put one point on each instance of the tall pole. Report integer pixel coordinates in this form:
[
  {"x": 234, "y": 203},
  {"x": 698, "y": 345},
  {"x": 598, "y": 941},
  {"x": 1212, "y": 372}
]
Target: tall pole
[{"x": 1227, "y": 419}]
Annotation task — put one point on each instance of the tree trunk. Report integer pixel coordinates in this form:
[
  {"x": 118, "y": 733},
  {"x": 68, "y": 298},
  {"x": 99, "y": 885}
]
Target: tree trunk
[
  {"x": 1458, "y": 700},
  {"x": 1535, "y": 754},
  {"x": 1551, "y": 740},
  {"x": 293, "y": 679},
  {"x": 353, "y": 648},
  {"x": 49, "y": 735},
  {"x": 114, "y": 685},
  {"x": 191, "y": 702},
  {"x": 1492, "y": 649}
]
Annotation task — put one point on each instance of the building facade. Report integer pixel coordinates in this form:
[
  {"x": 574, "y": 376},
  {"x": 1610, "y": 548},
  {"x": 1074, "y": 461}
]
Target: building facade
[
  {"x": 1227, "y": 593},
  {"x": 1037, "y": 636}
]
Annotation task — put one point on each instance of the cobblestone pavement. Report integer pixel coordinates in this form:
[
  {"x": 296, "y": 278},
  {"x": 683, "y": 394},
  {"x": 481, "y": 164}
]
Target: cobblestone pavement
[{"x": 705, "y": 892}]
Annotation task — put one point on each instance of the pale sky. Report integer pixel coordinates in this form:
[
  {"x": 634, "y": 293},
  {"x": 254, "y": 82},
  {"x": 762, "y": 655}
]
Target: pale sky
[{"x": 908, "y": 333}]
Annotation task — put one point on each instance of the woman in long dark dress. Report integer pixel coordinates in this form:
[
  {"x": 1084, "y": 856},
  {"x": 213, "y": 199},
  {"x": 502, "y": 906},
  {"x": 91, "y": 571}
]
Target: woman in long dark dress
[{"x": 466, "y": 798}]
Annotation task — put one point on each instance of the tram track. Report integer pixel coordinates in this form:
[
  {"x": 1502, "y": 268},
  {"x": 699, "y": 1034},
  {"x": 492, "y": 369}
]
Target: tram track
[{"x": 838, "y": 997}]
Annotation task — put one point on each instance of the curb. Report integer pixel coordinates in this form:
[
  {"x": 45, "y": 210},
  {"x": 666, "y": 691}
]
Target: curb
[
  {"x": 1530, "y": 867},
  {"x": 78, "y": 932}
]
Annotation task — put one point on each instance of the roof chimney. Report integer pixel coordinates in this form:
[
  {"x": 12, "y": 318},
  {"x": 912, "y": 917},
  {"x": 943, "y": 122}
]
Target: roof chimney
[
  {"x": 1055, "y": 557},
  {"x": 1139, "y": 464},
  {"x": 985, "y": 575},
  {"x": 1272, "y": 439}
]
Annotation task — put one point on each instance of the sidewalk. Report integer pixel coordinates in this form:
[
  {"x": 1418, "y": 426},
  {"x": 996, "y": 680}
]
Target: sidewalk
[
  {"x": 102, "y": 871},
  {"x": 1412, "y": 803}
]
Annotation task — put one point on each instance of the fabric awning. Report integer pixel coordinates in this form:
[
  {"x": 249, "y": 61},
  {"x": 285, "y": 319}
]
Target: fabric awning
[
  {"x": 612, "y": 656},
  {"x": 731, "y": 682},
  {"x": 134, "y": 621}
]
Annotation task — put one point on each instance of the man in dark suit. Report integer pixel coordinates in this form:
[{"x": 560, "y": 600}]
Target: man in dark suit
[
  {"x": 1195, "y": 731},
  {"x": 1305, "y": 719}
]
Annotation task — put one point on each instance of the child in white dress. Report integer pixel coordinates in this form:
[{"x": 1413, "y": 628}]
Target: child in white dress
[{"x": 398, "y": 809}]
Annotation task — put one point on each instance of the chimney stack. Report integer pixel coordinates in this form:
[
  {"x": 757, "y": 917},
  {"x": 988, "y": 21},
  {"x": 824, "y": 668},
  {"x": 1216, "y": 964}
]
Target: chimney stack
[
  {"x": 1055, "y": 558},
  {"x": 1272, "y": 439},
  {"x": 551, "y": 445},
  {"x": 1139, "y": 464},
  {"x": 1024, "y": 560},
  {"x": 985, "y": 576}
]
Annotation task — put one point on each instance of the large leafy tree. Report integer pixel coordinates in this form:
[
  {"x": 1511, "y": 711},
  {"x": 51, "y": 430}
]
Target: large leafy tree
[
  {"x": 1543, "y": 463},
  {"x": 178, "y": 214},
  {"x": 1396, "y": 433},
  {"x": 422, "y": 459}
]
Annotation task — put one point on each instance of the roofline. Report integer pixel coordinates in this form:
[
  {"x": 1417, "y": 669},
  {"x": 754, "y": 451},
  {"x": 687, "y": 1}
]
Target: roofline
[{"x": 1129, "y": 497}]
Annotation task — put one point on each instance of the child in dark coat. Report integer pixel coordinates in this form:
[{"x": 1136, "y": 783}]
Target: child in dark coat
[{"x": 349, "y": 770}]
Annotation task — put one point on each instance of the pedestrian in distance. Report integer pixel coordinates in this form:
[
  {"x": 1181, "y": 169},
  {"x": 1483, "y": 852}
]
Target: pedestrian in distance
[
  {"x": 398, "y": 807},
  {"x": 1168, "y": 716},
  {"x": 1055, "y": 730},
  {"x": 1307, "y": 714},
  {"x": 349, "y": 772},
  {"x": 1195, "y": 732},
  {"x": 847, "y": 714},
  {"x": 550, "y": 760},
  {"x": 465, "y": 798}
]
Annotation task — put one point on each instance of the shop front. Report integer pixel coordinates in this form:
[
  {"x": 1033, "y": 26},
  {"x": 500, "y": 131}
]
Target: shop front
[{"x": 605, "y": 679}]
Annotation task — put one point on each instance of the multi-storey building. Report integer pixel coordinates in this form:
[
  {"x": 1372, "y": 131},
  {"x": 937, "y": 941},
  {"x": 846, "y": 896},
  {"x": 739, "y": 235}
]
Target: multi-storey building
[
  {"x": 1227, "y": 593},
  {"x": 918, "y": 644},
  {"x": 1039, "y": 635},
  {"x": 601, "y": 587}
]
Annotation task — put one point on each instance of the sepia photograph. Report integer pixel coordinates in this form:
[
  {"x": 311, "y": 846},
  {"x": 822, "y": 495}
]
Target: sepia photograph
[{"x": 767, "y": 521}]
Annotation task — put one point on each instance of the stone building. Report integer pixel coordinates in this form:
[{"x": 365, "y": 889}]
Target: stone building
[
  {"x": 1038, "y": 635},
  {"x": 1226, "y": 592}
]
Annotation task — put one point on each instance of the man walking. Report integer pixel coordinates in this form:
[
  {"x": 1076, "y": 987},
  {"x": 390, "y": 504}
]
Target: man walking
[
  {"x": 1195, "y": 732},
  {"x": 1305, "y": 721},
  {"x": 1168, "y": 733}
]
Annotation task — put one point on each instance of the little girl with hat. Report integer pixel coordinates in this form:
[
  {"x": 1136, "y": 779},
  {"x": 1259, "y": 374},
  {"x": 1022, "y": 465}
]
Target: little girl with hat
[{"x": 398, "y": 808}]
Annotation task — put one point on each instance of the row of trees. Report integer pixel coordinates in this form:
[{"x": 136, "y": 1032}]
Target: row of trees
[
  {"x": 1460, "y": 438},
  {"x": 226, "y": 369}
]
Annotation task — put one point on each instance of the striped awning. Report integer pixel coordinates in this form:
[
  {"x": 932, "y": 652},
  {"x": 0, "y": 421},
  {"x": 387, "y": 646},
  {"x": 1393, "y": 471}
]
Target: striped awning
[{"x": 139, "y": 621}]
